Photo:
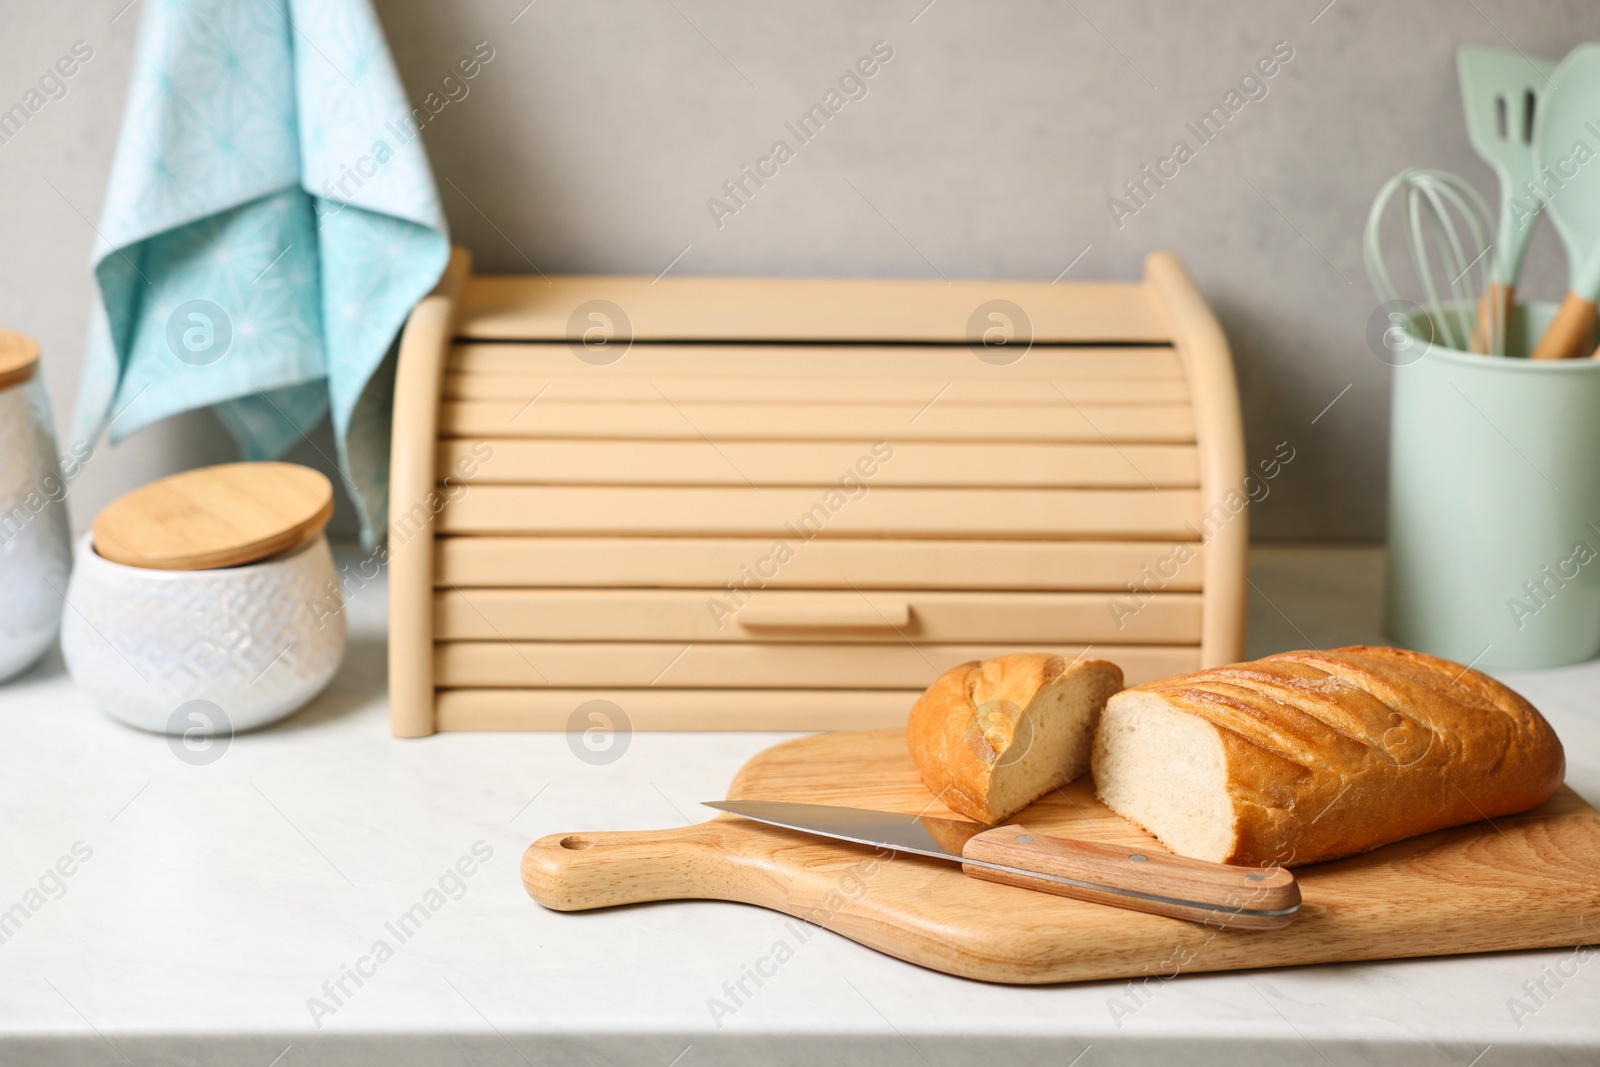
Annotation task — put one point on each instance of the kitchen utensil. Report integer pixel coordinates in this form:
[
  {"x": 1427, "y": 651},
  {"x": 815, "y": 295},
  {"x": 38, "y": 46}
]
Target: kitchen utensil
[
  {"x": 1500, "y": 90},
  {"x": 1526, "y": 881},
  {"x": 1448, "y": 230},
  {"x": 173, "y": 643},
  {"x": 1140, "y": 879},
  {"x": 1567, "y": 156},
  {"x": 35, "y": 544},
  {"x": 1494, "y": 508}
]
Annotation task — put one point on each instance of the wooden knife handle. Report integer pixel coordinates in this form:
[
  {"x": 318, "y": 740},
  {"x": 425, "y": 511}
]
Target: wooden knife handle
[
  {"x": 1570, "y": 333},
  {"x": 578, "y": 871},
  {"x": 1243, "y": 898}
]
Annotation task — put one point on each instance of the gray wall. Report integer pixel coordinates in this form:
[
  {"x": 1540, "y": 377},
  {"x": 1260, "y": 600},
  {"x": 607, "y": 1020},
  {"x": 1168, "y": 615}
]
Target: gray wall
[{"x": 987, "y": 147}]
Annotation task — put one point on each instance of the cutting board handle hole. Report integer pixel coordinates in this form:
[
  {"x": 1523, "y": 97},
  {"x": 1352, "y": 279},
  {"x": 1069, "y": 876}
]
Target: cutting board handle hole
[{"x": 577, "y": 841}]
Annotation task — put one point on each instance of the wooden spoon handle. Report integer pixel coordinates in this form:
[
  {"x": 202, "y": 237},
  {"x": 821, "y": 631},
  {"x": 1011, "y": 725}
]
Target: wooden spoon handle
[
  {"x": 579, "y": 871},
  {"x": 1246, "y": 898},
  {"x": 1494, "y": 317},
  {"x": 1570, "y": 333}
]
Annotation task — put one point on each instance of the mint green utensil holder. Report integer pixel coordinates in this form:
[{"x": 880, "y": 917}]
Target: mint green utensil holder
[{"x": 1494, "y": 504}]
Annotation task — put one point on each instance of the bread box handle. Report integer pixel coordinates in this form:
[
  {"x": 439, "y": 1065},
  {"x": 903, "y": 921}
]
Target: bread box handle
[{"x": 846, "y": 612}]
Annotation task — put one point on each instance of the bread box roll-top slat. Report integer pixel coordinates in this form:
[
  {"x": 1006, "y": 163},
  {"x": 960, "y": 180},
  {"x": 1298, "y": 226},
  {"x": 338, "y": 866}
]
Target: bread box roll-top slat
[{"x": 790, "y": 504}]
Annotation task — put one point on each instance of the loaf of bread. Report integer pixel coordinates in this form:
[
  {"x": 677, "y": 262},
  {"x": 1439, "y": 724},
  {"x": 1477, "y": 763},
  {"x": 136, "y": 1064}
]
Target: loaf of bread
[
  {"x": 990, "y": 738},
  {"x": 1311, "y": 756}
]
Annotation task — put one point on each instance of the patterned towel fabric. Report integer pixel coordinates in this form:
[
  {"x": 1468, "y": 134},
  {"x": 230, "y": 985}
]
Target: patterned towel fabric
[{"x": 269, "y": 223}]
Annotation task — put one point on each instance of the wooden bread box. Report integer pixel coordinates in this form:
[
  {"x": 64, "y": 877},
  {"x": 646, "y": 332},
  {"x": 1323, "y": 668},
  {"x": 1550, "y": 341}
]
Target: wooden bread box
[{"x": 789, "y": 504}]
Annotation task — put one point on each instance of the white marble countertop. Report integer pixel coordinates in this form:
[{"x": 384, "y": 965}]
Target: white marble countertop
[{"x": 216, "y": 900}]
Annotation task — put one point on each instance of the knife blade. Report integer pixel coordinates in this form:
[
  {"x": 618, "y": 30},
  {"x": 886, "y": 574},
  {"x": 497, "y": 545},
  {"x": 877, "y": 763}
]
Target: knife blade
[{"x": 1217, "y": 894}]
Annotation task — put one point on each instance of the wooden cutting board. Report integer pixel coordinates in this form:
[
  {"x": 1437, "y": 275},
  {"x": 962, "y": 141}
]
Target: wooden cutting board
[{"x": 1528, "y": 881}]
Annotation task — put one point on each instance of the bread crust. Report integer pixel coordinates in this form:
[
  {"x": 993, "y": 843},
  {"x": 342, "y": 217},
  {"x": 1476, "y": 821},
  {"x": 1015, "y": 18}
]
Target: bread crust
[
  {"x": 963, "y": 726},
  {"x": 1331, "y": 754}
]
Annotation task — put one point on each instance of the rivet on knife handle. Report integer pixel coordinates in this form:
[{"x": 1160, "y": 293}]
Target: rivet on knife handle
[{"x": 1249, "y": 898}]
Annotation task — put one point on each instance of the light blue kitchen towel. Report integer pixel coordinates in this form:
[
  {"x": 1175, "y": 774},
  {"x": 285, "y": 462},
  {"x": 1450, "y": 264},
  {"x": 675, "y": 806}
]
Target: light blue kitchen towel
[{"x": 269, "y": 223}]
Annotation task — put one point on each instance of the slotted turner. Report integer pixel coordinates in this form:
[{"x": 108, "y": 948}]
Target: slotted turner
[{"x": 1500, "y": 90}]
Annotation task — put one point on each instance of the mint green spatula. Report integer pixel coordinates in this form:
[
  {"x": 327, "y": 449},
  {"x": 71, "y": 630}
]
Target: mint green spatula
[
  {"x": 1500, "y": 90},
  {"x": 1567, "y": 156}
]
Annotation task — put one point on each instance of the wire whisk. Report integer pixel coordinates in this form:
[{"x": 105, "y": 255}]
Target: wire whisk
[{"x": 1449, "y": 229}]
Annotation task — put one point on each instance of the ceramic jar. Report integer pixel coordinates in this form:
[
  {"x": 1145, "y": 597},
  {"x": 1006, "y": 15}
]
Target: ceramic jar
[
  {"x": 35, "y": 543},
  {"x": 239, "y": 647},
  {"x": 207, "y": 651}
]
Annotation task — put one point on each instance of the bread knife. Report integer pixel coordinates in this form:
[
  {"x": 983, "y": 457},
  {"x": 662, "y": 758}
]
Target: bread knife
[{"x": 1219, "y": 895}]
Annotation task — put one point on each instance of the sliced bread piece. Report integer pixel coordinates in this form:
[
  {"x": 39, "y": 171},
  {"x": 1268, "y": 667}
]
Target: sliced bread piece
[
  {"x": 990, "y": 738},
  {"x": 1310, "y": 756}
]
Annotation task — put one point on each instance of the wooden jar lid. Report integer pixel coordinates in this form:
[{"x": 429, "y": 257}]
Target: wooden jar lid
[
  {"x": 19, "y": 358},
  {"x": 222, "y": 516}
]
